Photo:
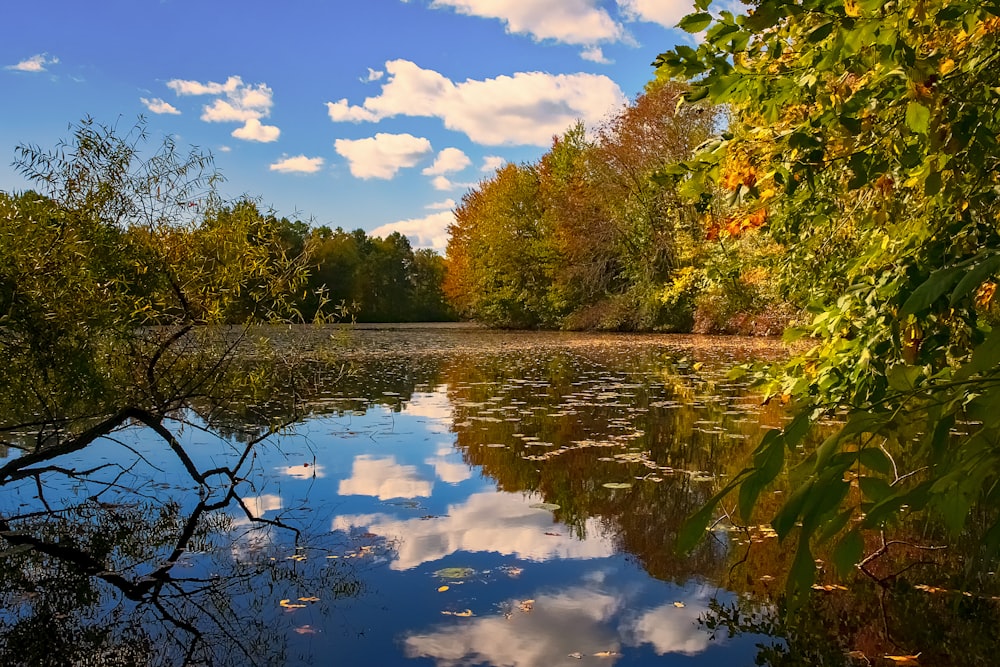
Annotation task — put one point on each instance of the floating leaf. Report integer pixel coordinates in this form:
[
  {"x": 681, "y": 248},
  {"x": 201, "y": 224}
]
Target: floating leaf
[
  {"x": 679, "y": 605},
  {"x": 288, "y": 604},
  {"x": 464, "y": 614},
  {"x": 606, "y": 654},
  {"x": 576, "y": 654},
  {"x": 526, "y": 605},
  {"x": 904, "y": 659},
  {"x": 306, "y": 630},
  {"x": 544, "y": 506},
  {"x": 442, "y": 589},
  {"x": 617, "y": 485},
  {"x": 309, "y": 599},
  {"x": 454, "y": 572}
]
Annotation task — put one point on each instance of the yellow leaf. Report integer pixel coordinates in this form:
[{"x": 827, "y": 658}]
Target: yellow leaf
[
  {"x": 909, "y": 660},
  {"x": 606, "y": 654},
  {"x": 288, "y": 604},
  {"x": 442, "y": 589},
  {"x": 309, "y": 599},
  {"x": 679, "y": 605}
]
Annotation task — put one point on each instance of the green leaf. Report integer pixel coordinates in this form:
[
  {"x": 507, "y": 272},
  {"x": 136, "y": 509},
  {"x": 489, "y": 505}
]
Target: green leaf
[
  {"x": 918, "y": 117},
  {"x": 904, "y": 378},
  {"x": 986, "y": 356},
  {"x": 848, "y": 552},
  {"x": 931, "y": 290},
  {"x": 695, "y": 22},
  {"x": 875, "y": 459},
  {"x": 975, "y": 277},
  {"x": 802, "y": 573},
  {"x": 875, "y": 489},
  {"x": 693, "y": 529}
]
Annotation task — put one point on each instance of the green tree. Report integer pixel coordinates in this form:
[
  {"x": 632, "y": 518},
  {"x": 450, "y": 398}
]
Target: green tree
[{"x": 868, "y": 132}]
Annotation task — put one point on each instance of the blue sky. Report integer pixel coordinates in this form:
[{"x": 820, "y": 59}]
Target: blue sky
[{"x": 372, "y": 114}]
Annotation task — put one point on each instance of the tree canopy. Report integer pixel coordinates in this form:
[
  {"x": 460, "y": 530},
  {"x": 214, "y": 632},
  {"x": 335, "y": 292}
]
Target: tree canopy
[{"x": 863, "y": 137}]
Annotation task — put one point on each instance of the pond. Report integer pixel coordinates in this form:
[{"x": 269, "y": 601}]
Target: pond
[{"x": 450, "y": 496}]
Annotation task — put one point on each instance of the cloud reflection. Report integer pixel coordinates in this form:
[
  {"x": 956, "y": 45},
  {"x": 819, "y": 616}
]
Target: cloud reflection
[
  {"x": 384, "y": 478},
  {"x": 487, "y": 522},
  {"x": 576, "y": 620}
]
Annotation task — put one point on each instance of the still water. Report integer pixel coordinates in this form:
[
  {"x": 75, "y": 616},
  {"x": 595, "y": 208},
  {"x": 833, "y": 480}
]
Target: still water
[{"x": 451, "y": 497}]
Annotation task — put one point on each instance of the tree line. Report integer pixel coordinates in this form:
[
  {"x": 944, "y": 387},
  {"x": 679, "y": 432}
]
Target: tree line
[{"x": 597, "y": 234}]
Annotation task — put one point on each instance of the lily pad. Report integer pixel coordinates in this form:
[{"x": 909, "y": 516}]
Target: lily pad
[
  {"x": 617, "y": 485},
  {"x": 544, "y": 506},
  {"x": 455, "y": 572}
]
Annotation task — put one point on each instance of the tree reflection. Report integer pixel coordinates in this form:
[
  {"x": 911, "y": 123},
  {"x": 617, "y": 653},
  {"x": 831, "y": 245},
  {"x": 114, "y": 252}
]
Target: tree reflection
[{"x": 104, "y": 564}]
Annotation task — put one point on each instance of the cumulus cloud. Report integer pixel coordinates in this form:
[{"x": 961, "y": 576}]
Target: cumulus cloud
[
  {"x": 383, "y": 155},
  {"x": 427, "y": 232},
  {"x": 300, "y": 164},
  {"x": 447, "y": 161},
  {"x": 527, "y": 108},
  {"x": 158, "y": 106},
  {"x": 236, "y": 102},
  {"x": 566, "y": 21},
  {"x": 665, "y": 12},
  {"x": 254, "y": 130},
  {"x": 446, "y": 205},
  {"x": 373, "y": 75},
  {"x": 36, "y": 63},
  {"x": 595, "y": 54},
  {"x": 187, "y": 87},
  {"x": 491, "y": 163}
]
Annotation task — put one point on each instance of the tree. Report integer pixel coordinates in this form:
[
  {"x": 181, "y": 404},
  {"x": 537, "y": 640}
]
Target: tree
[
  {"x": 868, "y": 131},
  {"x": 107, "y": 275}
]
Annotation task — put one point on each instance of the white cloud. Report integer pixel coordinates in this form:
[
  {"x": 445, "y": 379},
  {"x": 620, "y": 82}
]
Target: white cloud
[
  {"x": 665, "y": 12},
  {"x": 567, "y": 21},
  {"x": 36, "y": 63},
  {"x": 488, "y": 521},
  {"x": 427, "y": 232},
  {"x": 253, "y": 130},
  {"x": 186, "y": 87},
  {"x": 383, "y": 155},
  {"x": 156, "y": 105},
  {"x": 384, "y": 479},
  {"x": 373, "y": 75},
  {"x": 528, "y": 108},
  {"x": 491, "y": 163},
  {"x": 447, "y": 161},
  {"x": 444, "y": 184},
  {"x": 446, "y": 205},
  {"x": 225, "y": 149},
  {"x": 236, "y": 102},
  {"x": 299, "y": 164},
  {"x": 594, "y": 54}
]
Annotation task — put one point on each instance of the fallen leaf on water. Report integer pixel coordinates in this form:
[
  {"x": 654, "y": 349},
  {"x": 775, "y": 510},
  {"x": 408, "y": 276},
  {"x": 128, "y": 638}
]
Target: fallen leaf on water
[
  {"x": 553, "y": 534},
  {"x": 306, "y": 630},
  {"x": 463, "y": 614},
  {"x": 311, "y": 598},
  {"x": 442, "y": 589},
  {"x": 930, "y": 589},
  {"x": 606, "y": 654},
  {"x": 526, "y": 605},
  {"x": 828, "y": 587},
  {"x": 288, "y": 604},
  {"x": 904, "y": 659},
  {"x": 577, "y": 655},
  {"x": 617, "y": 485},
  {"x": 679, "y": 605}
]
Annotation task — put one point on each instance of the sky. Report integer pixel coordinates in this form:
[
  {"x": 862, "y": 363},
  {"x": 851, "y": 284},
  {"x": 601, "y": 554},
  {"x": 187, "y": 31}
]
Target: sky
[{"x": 370, "y": 114}]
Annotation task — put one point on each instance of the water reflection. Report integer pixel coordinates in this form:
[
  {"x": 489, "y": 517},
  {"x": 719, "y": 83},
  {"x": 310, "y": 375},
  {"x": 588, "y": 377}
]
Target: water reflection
[{"x": 477, "y": 498}]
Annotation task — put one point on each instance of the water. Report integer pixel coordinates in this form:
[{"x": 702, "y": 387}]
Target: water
[{"x": 452, "y": 497}]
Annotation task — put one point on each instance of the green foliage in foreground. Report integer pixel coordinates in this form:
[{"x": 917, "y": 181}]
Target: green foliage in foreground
[{"x": 867, "y": 133}]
